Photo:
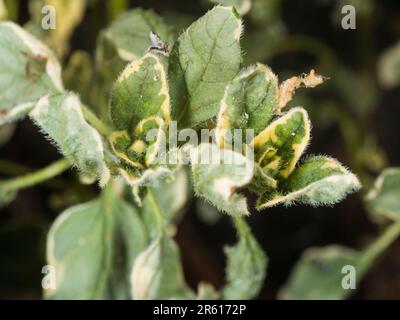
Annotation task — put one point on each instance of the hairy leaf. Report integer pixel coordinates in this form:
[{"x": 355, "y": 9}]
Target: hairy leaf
[
  {"x": 92, "y": 248},
  {"x": 250, "y": 101},
  {"x": 318, "y": 181},
  {"x": 205, "y": 58},
  {"x": 141, "y": 91},
  {"x": 384, "y": 197},
  {"x": 28, "y": 71},
  {"x": 217, "y": 173},
  {"x": 60, "y": 118}
]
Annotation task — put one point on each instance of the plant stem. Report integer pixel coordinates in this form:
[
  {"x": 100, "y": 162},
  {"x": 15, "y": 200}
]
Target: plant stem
[
  {"x": 381, "y": 244},
  {"x": 156, "y": 210},
  {"x": 41, "y": 175},
  {"x": 99, "y": 125},
  {"x": 241, "y": 225}
]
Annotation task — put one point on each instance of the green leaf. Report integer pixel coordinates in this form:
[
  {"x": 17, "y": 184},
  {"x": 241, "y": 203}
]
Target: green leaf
[
  {"x": 389, "y": 67},
  {"x": 141, "y": 91},
  {"x": 250, "y": 101},
  {"x": 205, "y": 58},
  {"x": 129, "y": 33},
  {"x": 318, "y": 181},
  {"x": 217, "y": 173},
  {"x": 246, "y": 267},
  {"x": 157, "y": 272},
  {"x": 60, "y": 118},
  {"x": 242, "y": 6},
  {"x": 28, "y": 71},
  {"x": 279, "y": 146},
  {"x": 93, "y": 247},
  {"x": 383, "y": 199},
  {"x": 318, "y": 275}
]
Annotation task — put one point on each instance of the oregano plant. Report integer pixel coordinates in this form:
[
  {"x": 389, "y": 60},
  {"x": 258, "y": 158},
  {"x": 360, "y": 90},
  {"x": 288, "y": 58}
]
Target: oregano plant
[{"x": 184, "y": 115}]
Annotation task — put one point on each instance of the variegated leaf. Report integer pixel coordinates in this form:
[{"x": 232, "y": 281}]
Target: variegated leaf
[
  {"x": 318, "y": 181},
  {"x": 141, "y": 91},
  {"x": 279, "y": 146},
  {"x": 250, "y": 101}
]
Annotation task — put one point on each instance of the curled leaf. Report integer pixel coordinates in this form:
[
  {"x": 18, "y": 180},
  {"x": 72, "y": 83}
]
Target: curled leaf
[
  {"x": 318, "y": 181},
  {"x": 288, "y": 87},
  {"x": 218, "y": 173}
]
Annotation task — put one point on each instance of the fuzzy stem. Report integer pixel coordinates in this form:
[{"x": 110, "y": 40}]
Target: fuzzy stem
[
  {"x": 241, "y": 225},
  {"x": 99, "y": 125},
  {"x": 39, "y": 176},
  {"x": 381, "y": 244},
  {"x": 156, "y": 210}
]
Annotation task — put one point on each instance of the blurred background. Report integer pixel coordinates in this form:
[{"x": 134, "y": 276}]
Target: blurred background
[{"x": 355, "y": 118}]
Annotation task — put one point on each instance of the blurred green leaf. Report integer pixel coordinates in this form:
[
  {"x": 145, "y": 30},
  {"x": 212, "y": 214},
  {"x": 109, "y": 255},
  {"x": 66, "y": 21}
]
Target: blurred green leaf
[
  {"x": 69, "y": 15},
  {"x": 157, "y": 272},
  {"x": 384, "y": 197},
  {"x": 389, "y": 67},
  {"x": 29, "y": 70},
  {"x": 93, "y": 247},
  {"x": 318, "y": 274},
  {"x": 130, "y": 32},
  {"x": 242, "y": 6},
  {"x": 246, "y": 266}
]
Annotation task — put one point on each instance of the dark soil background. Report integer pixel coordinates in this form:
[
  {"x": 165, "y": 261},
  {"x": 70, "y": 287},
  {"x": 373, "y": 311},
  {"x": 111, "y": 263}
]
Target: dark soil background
[{"x": 283, "y": 233}]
